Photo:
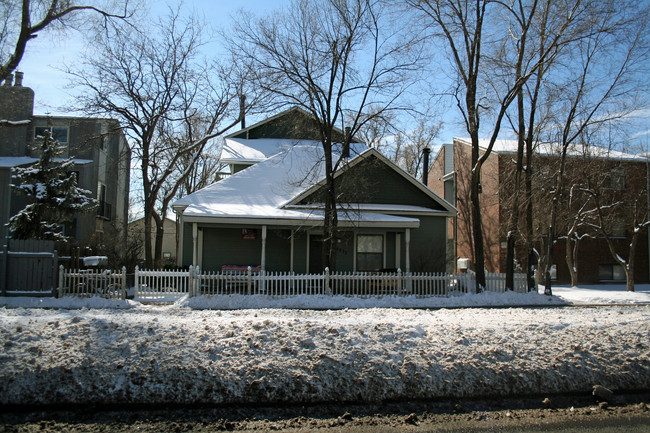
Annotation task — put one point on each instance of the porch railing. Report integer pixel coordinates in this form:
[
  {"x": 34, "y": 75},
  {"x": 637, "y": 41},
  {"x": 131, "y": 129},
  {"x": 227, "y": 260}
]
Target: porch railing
[{"x": 165, "y": 284}]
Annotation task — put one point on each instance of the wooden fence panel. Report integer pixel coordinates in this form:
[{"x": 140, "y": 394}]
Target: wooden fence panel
[{"x": 28, "y": 267}]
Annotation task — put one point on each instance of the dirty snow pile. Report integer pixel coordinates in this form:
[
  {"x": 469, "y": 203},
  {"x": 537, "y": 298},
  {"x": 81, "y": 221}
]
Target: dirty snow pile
[{"x": 174, "y": 354}]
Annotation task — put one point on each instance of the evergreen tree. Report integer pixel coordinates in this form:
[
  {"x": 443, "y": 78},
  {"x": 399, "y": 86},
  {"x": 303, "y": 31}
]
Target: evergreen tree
[{"x": 54, "y": 194}]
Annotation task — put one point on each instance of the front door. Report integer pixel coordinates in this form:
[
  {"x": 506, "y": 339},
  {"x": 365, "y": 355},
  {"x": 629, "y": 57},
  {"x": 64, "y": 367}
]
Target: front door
[{"x": 315, "y": 254}]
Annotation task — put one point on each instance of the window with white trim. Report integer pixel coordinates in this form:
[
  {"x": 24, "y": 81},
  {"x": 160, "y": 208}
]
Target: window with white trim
[{"x": 370, "y": 252}]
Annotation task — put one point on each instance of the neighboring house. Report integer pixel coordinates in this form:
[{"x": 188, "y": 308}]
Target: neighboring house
[
  {"x": 450, "y": 174},
  {"x": 101, "y": 156},
  {"x": 270, "y": 213},
  {"x": 169, "y": 248}
]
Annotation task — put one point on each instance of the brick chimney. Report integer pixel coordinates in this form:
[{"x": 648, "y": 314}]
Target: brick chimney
[
  {"x": 16, "y": 104},
  {"x": 18, "y": 82}
]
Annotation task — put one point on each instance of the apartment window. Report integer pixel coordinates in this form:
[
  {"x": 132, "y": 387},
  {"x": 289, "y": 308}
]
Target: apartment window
[
  {"x": 59, "y": 133},
  {"x": 619, "y": 228},
  {"x": 104, "y": 143},
  {"x": 611, "y": 273},
  {"x": 617, "y": 179},
  {"x": 370, "y": 252},
  {"x": 104, "y": 209}
]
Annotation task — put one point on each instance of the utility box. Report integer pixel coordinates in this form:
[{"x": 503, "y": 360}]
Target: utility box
[{"x": 463, "y": 264}]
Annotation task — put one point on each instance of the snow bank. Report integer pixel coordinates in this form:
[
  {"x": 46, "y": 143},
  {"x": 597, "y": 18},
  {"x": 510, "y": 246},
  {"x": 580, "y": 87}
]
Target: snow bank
[
  {"x": 173, "y": 354},
  {"x": 486, "y": 299}
]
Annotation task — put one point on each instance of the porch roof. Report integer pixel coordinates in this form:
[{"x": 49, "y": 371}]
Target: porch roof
[{"x": 313, "y": 218}]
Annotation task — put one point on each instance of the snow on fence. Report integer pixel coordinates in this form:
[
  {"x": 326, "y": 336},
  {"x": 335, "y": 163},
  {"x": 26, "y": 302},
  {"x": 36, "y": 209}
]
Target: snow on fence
[
  {"x": 92, "y": 282},
  {"x": 171, "y": 284}
]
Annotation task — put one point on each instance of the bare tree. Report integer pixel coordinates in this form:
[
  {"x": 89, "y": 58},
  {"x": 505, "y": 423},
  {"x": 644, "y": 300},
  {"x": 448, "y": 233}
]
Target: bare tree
[
  {"x": 597, "y": 86},
  {"x": 617, "y": 193},
  {"x": 154, "y": 82},
  {"x": 340, "y": 62},
  {"x": 461, "y": 25},
  {"x": 22, "y": 21}
]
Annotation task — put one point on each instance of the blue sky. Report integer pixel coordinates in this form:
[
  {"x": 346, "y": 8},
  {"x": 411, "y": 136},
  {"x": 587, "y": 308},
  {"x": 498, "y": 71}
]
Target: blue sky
[{"x": 47, "y": 54}]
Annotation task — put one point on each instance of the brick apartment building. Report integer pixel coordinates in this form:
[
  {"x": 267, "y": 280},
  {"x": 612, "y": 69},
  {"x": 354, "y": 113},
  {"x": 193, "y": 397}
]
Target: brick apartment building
[{"x": 622, "y": 179}]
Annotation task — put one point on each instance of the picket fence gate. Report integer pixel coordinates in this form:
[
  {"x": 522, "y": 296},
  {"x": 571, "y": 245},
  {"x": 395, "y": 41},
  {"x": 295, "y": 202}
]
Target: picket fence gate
[{"x": 28, "y": 267}]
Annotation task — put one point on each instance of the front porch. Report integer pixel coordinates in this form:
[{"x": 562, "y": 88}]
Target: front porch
[{"x": 273, "y": 248}]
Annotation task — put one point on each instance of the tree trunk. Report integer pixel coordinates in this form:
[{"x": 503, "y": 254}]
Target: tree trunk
[
  {"x": 147, "y": 238},
  {"x": 571, "y": 248},
  {"x": 477, "y": 229},
  {"x": 158, "y": 240},
  {"x": 330, "y": 223},
  {"x": 513, "y": 224},
  {"x": 532, "y": 257},
  {"x": 629, "y": 270}
]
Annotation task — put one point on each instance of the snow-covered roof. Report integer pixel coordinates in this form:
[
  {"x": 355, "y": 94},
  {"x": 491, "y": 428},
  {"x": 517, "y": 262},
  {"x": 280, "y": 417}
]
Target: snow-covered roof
[
  {"x": 17, "y": 161},
  {"x": 554, "y": 149},
  {"x": 250, "y": 151},
  {"x": 263, "y": 191}
]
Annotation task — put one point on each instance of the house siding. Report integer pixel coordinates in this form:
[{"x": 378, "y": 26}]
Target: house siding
[{"x": 371, "y": 181}]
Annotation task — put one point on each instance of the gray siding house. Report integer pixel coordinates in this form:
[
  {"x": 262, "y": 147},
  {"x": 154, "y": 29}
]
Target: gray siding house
[{"x": 101, "y": 156}]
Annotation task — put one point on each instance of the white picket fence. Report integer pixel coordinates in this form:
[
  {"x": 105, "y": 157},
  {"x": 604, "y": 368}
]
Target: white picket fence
[{"x": 172, "y": 284}]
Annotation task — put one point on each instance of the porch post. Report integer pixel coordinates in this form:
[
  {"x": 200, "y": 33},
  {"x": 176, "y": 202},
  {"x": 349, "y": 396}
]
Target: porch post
[
  {"x": 407, "y": 240},
  {"x": 199, "y": 260},
  {"x": 195, "y": 243},
  {"x": 263, "y": 263},
  {"x": 398, "y": 250},
  {"x": 179, "y": 240},
  {"x": 291, "y": 254}
]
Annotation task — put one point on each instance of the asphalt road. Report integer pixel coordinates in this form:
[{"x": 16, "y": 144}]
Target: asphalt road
[{"x": 568, "y": 414}]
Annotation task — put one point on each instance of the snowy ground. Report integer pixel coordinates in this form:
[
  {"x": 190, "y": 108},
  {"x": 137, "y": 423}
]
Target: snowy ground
[{"x": 97, "y": 351}]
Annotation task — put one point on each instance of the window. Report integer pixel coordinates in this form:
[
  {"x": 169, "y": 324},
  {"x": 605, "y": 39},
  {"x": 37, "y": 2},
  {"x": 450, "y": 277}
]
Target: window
[
  {"x": 617, "y": 179},
  {"x": 611, "y": 273},
  {"x": 370, "y": 252},
  {"x": 59, "y": 133},
  {"x": 618, "y": 228},
  {"x": 104, "y": 143},
  {"x": 104, "y": 209}
]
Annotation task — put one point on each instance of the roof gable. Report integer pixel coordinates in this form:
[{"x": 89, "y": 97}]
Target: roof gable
[
  {"x": 373, "y": 178},
  {"x": 293, "y": 123}
]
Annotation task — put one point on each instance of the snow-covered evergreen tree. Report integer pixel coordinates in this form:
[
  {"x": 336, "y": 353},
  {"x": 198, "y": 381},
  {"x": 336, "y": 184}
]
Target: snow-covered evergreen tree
[{"x": 55, "y": 196}]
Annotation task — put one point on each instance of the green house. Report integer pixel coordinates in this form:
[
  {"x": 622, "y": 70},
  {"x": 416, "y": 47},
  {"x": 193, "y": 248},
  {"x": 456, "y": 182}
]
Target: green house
[{"x": 269, "y": 212}]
